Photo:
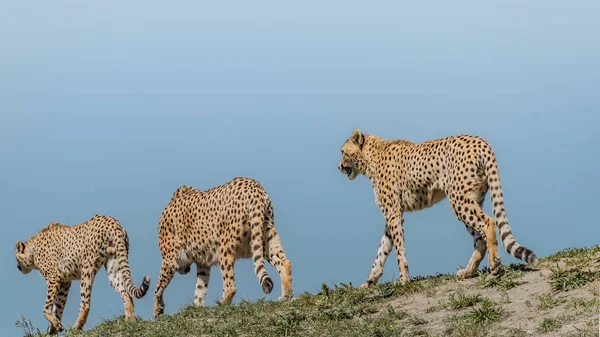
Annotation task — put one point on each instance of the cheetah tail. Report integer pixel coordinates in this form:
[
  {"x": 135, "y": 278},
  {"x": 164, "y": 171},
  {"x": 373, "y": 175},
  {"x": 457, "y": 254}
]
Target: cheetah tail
[
  {"x": 259, "y": 212},
  {"x": 119, "y": 274},
  {"x": 508, "y": 241}
]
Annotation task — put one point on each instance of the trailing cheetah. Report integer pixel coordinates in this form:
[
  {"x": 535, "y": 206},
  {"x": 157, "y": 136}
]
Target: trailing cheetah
[
  {"x": 219, "y": 226},
  {"x": 65, "y": 253},
  {"x": 408, "y": 177}
]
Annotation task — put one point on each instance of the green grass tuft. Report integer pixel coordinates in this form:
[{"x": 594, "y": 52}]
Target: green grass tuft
[
  {"x": 569, "y": 279},
  {"x": 486, "y": 312},
  {"x": 549, "y": 325},
  {"x": 28, "y": 329},
  {"x": 572, "y": 253},
  {"x": 458, "y": 300},
  {"x": 547, "y": 301}
]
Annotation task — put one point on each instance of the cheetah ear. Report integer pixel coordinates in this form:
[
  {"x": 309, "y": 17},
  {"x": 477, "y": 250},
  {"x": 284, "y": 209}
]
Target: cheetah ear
[
  {"x": 19, "y": 247},
  {"x": 358, "y": 138}
]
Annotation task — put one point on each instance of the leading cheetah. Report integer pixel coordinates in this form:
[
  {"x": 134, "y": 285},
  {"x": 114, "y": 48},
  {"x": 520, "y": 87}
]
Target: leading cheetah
[
  {"x": 408, "y": 177},
  {"x": 65, "y": 253},
  {"x": 218, "y": 226}
]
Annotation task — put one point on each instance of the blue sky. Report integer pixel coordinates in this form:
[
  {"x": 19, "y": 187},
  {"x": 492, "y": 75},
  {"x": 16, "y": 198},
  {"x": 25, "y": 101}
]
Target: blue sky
[{"x": 109, "y": 107}]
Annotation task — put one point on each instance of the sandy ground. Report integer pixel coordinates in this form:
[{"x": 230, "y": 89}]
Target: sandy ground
[{"x": 576, "y": 311}]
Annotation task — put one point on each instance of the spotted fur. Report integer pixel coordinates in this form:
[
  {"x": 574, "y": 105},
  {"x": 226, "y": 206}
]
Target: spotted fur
[
  {"x": 408, "y": 177},
  {"x": 219, "y": 226},
  {"x": 65, "y": 253}
]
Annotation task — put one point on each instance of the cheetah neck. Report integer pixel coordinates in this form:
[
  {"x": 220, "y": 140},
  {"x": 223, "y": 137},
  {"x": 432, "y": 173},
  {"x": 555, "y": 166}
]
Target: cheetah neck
[
  {"x": 372, "y": 150},
  {"x": 375, "y": 151}
]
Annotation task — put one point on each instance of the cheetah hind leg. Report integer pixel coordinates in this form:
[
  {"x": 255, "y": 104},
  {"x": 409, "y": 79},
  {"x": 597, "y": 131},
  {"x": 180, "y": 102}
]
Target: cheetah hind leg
[
  {"x": 479, "y": 250},
  {"x": 202, "y": 278},
  {"x": 474, "y": 218},
  {"x": 494, "y": 259}
]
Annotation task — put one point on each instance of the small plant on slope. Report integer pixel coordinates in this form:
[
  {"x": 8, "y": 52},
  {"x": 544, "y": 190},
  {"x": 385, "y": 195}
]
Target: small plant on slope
[
  {"x": 569, "y": 279},
  {"x": 547, "y": 301},
  {"x": 548, "y": 325},
  {"x": 458, "y": 300},
  {"x": 487, "y": 312},
  {"x": 27, "y": 328}
]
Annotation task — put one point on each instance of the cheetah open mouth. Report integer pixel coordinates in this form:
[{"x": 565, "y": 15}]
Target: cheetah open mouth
[{"x": 347, "y": 170}]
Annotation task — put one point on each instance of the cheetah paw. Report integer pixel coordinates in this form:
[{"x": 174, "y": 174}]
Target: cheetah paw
[
  {"x": 158, "y": 312},
  {"x": 366, "y": 285},
  {"x": 465, "y": 274},
  {"x": 496, "y": 268},
  {"x": 402, "y": 281},
  {"x": 52, "y": 330},
  {"x": 285, "y": 297},
  {"x": 57, "y": 328}
]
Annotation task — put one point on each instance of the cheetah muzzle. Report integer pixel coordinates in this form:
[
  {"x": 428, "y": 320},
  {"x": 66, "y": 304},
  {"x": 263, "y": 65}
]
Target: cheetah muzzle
[{"x": 347, "y": 170}]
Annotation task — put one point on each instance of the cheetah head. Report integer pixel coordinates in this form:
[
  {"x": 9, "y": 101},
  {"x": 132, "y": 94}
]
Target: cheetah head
[
  {"x": 24, "y": 258},
  {"x": 352, "y": 155}
]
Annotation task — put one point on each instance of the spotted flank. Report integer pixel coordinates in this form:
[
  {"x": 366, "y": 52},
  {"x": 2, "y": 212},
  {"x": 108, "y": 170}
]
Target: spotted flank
[{"x": 217, "y": 227}]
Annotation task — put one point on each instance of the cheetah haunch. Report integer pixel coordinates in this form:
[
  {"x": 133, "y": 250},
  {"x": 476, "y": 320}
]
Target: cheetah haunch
[
  {"x": 219, "y": 226},
  {"x": 408, "y": 177},
  {"x": 65, "y": 253}
]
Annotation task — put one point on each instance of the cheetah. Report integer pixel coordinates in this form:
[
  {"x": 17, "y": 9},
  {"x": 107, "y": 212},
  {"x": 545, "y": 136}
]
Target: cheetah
[
  {"x": 64, "y": 253},
  {"x": 219, "y": 226},
  {"x": 406, "y": 177}
]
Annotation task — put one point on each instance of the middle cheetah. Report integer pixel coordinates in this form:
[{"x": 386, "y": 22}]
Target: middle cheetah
[{"x": 218, "y": 226}]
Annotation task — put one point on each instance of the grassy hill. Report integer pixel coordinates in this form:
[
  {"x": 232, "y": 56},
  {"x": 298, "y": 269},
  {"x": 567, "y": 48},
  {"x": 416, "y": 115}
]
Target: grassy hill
[{"x": 558, "y": 297}]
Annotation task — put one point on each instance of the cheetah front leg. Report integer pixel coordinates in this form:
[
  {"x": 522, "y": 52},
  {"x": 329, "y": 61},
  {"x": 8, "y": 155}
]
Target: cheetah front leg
[
  {"x": 227, "y": 265},
  {"x": 59, "y": 305},
  {"x": 395, "y": 223},
  {"x": 85, "y": 290},
  {"x": 53, "y": 286},
  {"x": 202, "y": 278},
  {"x": 385, "y": 247}
]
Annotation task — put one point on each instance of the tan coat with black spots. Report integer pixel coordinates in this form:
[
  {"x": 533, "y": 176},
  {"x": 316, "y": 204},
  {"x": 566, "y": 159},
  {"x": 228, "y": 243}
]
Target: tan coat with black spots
[
  {"x": 408, "y": 177},
  {"x": 65, "y": 253},
  {"x": 219, "y": 226}
]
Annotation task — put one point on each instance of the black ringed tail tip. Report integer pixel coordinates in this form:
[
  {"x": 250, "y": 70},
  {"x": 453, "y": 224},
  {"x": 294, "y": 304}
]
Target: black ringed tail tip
[
  {"x": 531, "y": 258},
  {"x": 143, "y": 289},
  {"x": 267, "y": 285}
]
